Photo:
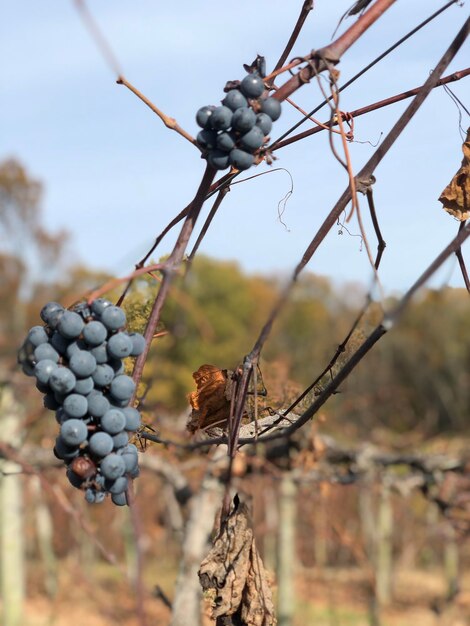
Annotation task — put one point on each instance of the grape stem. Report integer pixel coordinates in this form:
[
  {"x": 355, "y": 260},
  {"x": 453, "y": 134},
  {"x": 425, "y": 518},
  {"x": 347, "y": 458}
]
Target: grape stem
[
  {"x": 169, "y": 267},
  {"x": 169, "y": 122}
]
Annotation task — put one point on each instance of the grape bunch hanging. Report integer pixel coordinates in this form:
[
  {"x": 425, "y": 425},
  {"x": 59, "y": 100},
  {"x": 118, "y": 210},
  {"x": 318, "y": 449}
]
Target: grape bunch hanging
[
  {"x": 77, "y": 360},
  {"x": 232, "y": 134}
]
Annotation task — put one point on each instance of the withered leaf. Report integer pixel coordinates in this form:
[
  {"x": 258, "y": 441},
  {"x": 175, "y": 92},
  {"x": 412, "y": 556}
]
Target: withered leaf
[
  {"x": 456, "y": 196},
  {"x": 211, "y": 401},
  {"x": 234, "y": 572}
]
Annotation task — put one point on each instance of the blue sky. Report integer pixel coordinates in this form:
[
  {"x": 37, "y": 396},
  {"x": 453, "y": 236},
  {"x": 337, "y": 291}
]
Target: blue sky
[{"x": 114, "y": 175}]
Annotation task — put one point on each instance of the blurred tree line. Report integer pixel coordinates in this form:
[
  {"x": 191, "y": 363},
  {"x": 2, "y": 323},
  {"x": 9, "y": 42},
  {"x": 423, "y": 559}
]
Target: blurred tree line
[{"x": 416, "y": 380}]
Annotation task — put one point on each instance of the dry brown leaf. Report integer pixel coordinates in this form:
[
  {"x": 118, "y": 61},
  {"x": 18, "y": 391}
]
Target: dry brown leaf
[
  {"x": 456, "y": 196},
  {"x": 233, "y": 574},
  {"x": 211, "y": 401}
]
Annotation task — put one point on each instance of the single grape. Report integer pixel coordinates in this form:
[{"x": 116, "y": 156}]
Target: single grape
[
  {"x": 207, "y": 139},
  {"x": 122, "y": 387},
  {"x": 113, "y": 318},
  {"x": 138, "y": 343},
  {"x": 113, "y": 421},
  {"x": 271, "y": 107},
  {"x": 135, "y": 472},
  {"x": 46, "y": 351},
  {"x": 116, "y": 486},
  {"x": 203, "y": 117},
  {"x": 98, "y": 404},
  {"x": 60, "y": 415},
  {"x": 82, "y": 364},
  {"x": 73, "y": 432},
  {"x": 131, "y": 461},
  {"x": 99, "y": 305},
  {"x": 218, "y": 159},
  {"x": 50, "y": 312},
  {"x": 103, "y": 375},
  {"x": 235, "y": 100},
  {"x": 43, "y": 388},
  {"x": 240, "y": 159},
  {"x": 101, "y": 444},
  {"x": 62, "y": 380},
  {"x": 119, "y": 346},
  {"x": 43, "y": 370},
  {"x": 100, "y": 353},
  {"x": 83, "y": 386},
  {"x": 120, "y": 440},
  {"x": 94, "y": 333},
  {"x": 76, "y": 405},
  {"x": 221, "y": 118},
  {"x": 70, "y": 325},
  {"x": 225, "y": 142},
  {"x": 133, "y": 419},
  {"x": 37, "y": 336},
  {"x": 243, "y": 119},
  {"x": 252, "y": 86},
  {"x": 120, "y": 499},
  {"x": 75, "y": 346},
  {"x": 112, "y": 466},
  {"x": 59, "y": 343},
  {"x": 117, "y": 365},
  {"x": 264, "y": 122},
  {"x": 64, "y": 451},
  {"x": 252, "y": 140},
  {"x": 50, "y": 402},
  {"x": 27, "y": 368}
]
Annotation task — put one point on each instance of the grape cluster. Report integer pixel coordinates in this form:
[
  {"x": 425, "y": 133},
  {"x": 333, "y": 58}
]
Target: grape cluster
[
  {"x": 77, "y": 360},
  {"x": 233, "y": 132}
]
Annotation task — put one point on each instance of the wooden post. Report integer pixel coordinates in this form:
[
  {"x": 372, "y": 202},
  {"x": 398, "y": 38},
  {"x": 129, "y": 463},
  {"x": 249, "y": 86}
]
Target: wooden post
[
  {"x": 11, "y": 515},
  {"x": 286, "y": 551}
]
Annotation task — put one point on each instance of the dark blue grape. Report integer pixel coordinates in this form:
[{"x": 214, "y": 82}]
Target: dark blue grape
[
  {"x": 120, "y": 440},
  {"x": 207, "y": 139},
  {"x": 112, "y": 466},
  {"x": 82, "y": 363},
  {"x": 64, "y": 451},
  {"x": 99, "y": 305},
  {"x": 103, "y": 375},
  {"x": 76, "y": 405},
  {"x": 243, "y": 119},
  {"x": 120, "y": 499},
  {"x": 83, "y": 386},
  {"x": 42, "y": 387},
  {"x": 226, "y": 142},
  {"x": 62, "y": 380},
  {"x": 59, "y": 343},
  {"x": 113, "y": 421},
  {"x": 100, "y": 353},
  {"x": 135, "y": 472},
  {"x": 117, "y": 365},
  {"x": 131, "y": 461},
  {"x": 119, "y": 346},
  {"x": 271, "y": 107},
  {"x": 51, "y": 312},
  {"x": 46, "y": 351},
  {"x": 98, "y": 404},
  {"x": 133, "y": 419},
  {"x": 240, "y": 159},
  {"x": 113, "y": 318},
  {"x": 116, "y": 486},
  {"x": 101, "y": 444},
  {"x": 50, "y": 402},
  {"x": 203, "y": 117},
  {"x": 218, "y": 159},
  {"x": 138, "y": 344},
  {"x": 37, "y": 336},
  {"x": 73, "y": 432},
  {"x": 235, "y": 100},
  {"x": 94, "y": 333},
  {"x": 43, "y": 370},
  {"x": 252, "y": 86},
  {"x": 264, "y": 122},
  {"x": 60, "y": 415},
  {"x": 122, "y": 387},
  {"x": 252, "y": 140},
  {"x": 221, "y": 118},
  {"x": 70, "y": 325}
]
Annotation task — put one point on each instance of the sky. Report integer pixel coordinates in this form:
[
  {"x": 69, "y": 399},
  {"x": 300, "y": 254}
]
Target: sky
[{"x": 114, "y": 176}]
